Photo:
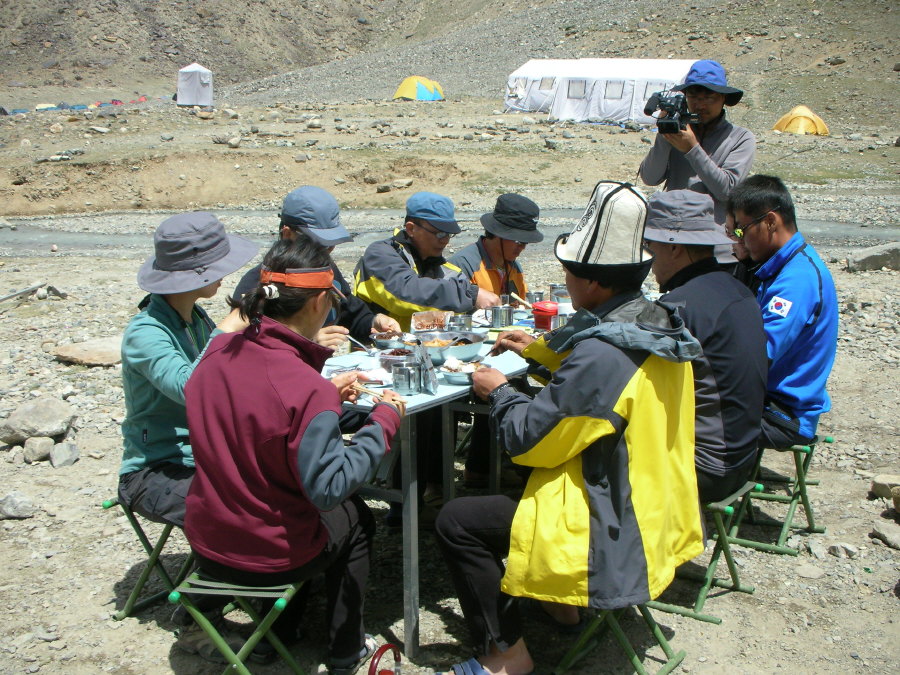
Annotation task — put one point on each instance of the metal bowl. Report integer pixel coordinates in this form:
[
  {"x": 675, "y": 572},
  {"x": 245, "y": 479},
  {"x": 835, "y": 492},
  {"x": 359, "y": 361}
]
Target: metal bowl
[
  {"x": 464, "y": 352},
  {"x": 388, "y": 340},
  {"x": 457, "y": 378}
]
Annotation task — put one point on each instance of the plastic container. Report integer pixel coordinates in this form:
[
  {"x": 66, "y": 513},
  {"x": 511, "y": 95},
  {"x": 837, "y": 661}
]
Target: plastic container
[{"x": 542, "y": 312}]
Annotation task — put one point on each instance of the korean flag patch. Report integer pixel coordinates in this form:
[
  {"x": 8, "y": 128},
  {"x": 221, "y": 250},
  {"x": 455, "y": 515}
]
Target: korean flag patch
[{"x": 780, "y": 306}]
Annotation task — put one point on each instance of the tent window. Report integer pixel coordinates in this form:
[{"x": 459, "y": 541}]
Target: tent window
[
  {"x": 653, "y": 87},
  {"x": 577, "y": 88},
  {"x": 547, "y": 83},
  {"x": 614, "y": 90}
]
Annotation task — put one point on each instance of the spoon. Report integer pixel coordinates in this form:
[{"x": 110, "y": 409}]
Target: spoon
[{"x": 370, "y": 351}]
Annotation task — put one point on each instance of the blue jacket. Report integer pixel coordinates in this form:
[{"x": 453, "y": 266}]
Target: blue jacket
[
  {"x": 800, "y": 316},
  {"x": 159, "y": 352}
]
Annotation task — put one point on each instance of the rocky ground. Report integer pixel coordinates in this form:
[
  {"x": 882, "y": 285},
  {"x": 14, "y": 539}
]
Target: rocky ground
[
  {"x": 71, "y": 564},
  {"x": 303, "y": 98}
]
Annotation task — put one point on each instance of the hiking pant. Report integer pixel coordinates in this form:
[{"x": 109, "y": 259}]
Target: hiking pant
[{"x": 473, "y": 534}]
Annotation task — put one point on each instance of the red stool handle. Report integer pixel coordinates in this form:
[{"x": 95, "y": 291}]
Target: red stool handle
[{"x": 376, "y": 658}]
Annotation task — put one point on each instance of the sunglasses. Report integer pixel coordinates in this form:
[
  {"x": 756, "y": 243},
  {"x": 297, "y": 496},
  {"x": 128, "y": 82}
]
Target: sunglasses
[
  {"x": 437, "y": 234},
  {"x": 739, "y": 232}
]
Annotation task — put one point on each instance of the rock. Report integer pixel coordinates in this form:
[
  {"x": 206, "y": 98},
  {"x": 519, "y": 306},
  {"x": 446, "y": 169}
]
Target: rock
[
  {"x": 16, "y": 505},
  {"x": 56, "y": 128},
  {"x": 206, "y": 114},
  {"x": 38, "y": 449},
  {"x": 568, "y": 134},
  {"x": 382, "y": 188},
  {"x": 64, "y": 454},
  {"x": 884, "y": 483},
  {"x": 895, "y": 495},
  {"x": 99, "y": 130},
  {"x": 551, "y": 144},
  {"x": 843, "y": 550},
  {"x": 887, "y": 532},
  {"x": 528, "y": 120},
  {"x": 302, "y": 157},
  {"x": 41, "y": 417},
  {"x": 230, "y": 114},
  {"x": 875, "y": 257},
  {"x": 835, "y": 60},
  {"x": 314, "y": 124},
  {"x": 234, "y": 142},
  {"x": 816, "y": 549},
  {"x": 166, "y": 137},
  {"x": 100, "y": 352},
  {"x": 807, "y": 571},
  {"x": 401, "y": 183}
]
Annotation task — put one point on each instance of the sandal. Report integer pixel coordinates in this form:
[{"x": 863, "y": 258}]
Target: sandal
[
  {"x": 470, "y": 667},
  {"x": 351, "y": 668}
]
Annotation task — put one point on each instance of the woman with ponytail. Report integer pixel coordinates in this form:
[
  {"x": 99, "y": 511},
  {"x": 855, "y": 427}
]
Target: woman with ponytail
[{"x": 274, "y": 497}]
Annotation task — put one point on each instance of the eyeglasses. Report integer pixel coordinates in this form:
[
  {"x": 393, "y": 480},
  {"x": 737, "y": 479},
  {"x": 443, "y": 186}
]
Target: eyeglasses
[
  {"x": 438, "y": 234},
  {"x": 704, "y": 95},
  {"x": 739, "y": 232}
]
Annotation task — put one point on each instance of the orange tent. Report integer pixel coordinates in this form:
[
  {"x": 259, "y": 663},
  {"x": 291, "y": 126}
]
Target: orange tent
[{"x": 802, "y": 120}]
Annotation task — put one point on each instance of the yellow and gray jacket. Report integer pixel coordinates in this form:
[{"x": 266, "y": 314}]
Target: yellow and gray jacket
[
  {"x": 475, "y": 264},
  {"x": 611, "y": 507},
  {"x": 392, "y": 279}
]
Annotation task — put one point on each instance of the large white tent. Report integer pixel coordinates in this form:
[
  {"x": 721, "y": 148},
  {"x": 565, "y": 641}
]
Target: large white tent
[
  {"x": 195, "y": 85},
  {"x": 592, "y": 90}
]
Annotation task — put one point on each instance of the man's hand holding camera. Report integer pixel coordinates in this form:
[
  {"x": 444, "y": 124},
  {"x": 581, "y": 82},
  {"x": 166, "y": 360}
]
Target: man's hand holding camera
[{"x": 684, "y": 140}]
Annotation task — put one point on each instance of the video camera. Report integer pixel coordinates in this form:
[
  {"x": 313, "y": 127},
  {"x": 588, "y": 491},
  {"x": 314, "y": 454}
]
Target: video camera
[{"x": 674, "y": 105}]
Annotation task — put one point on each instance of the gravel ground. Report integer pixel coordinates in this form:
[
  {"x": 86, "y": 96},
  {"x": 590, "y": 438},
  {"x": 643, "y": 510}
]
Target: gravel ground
[{"x": 72, "y": 564}]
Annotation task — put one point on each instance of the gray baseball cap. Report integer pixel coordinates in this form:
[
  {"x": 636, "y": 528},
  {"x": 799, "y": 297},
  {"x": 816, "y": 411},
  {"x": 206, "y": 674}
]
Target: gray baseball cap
[
  {"x": 315, "y": 212},
  {"x": 192, "y": 250},
  {"x": 683, "y": 217}
]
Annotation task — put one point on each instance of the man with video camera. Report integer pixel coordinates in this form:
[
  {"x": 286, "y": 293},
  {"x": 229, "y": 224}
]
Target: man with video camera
[{"x": 703, "y": 152}]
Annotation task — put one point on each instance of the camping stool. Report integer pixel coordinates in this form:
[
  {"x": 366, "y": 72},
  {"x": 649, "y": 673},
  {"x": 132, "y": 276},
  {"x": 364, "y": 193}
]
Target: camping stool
[
  {"x": 795, "y": 495},
  {"x": 724, "y": 507},
  {"x": 154, "y": 564},
  {"x": 608, "y": 619},
  {"x": 199, "y": 583}
]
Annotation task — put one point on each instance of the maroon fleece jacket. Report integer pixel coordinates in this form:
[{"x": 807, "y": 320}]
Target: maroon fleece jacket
[{"x": 269, "y": 453}]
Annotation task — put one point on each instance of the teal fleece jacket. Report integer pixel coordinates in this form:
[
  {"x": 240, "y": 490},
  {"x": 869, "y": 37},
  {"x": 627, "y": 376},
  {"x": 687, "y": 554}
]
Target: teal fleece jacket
[{"x": 159, "y": 353}]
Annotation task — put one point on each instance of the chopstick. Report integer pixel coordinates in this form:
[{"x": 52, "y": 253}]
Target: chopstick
[
  {"x": 520, "y": 299},
  {"x": 365, "y": 390}
]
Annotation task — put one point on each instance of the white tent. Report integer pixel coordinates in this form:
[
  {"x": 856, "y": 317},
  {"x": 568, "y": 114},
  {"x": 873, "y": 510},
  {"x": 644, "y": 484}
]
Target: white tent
[
  {"x": 195, "y": 85},
  {"x": 530, "y": 88},
  {"x": 596, "y": 90}
]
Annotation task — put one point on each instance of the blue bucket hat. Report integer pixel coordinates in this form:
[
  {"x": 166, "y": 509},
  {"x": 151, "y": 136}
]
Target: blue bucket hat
[
  {"x": 710, "y": 75},
  {"x": 316, "y": 213},
  {"x": 436, "y": 209}
]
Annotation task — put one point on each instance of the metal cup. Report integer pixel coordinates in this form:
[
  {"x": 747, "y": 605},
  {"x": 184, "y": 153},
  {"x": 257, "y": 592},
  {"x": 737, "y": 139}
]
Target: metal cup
[
  {"x": 534, "y": 296},
  {"x": 460, "y": 322},
  {"x": 407, "y": 378},
  {"x": 557, "y": 288},
  {"x": 500, "y": 316},
  {"x": 504, "y": 299},
  {"x": 558, "y": 321}
]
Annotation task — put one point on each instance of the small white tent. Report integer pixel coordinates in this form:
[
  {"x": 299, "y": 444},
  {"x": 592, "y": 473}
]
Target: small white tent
[
  {"x": 530, "y": 87},
  {"x": 195, "y": 85},
  {"x": 613, "y": 89}
]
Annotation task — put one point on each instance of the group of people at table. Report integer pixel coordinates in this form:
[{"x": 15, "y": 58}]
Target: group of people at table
[{"x": 650, "y": 408}]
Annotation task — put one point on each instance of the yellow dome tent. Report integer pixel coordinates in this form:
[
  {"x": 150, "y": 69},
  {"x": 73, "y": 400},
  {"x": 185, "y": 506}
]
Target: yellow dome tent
[
  {"x": 802, "y": 120},
  {"x": 418, "y": 88}
]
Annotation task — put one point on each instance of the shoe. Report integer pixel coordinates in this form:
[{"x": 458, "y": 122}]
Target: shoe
[
  {"x": 193, "y": 639},
  {"x": 342, "y": 668},
  {"x": 264, "y": 652}
]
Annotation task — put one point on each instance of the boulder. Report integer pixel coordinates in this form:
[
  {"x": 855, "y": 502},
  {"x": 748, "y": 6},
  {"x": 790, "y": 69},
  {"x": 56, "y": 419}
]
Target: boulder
[
  {"x": 16, "y": 505},
  {"x": 41, "y": 417},
  {"x": 38, "y": 449},
  {"x": 883, "y": 483},
  {"x": 887, "y": 532},
  {"x": 875, "y": 257},
  {"x": 100, "y": 352},
  {"x": 64, "y": 454}
]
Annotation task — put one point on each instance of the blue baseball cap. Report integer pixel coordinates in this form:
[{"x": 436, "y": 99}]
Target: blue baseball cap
[
  {"x": 315, "y": 212},
  {"x": 710, "y": 75},
  {"x": 436, "y": 209}
]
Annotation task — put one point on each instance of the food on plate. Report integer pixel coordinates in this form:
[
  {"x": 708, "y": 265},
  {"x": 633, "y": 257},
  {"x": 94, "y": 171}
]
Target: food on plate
[
  {"x": 454, "y": 365},
  {"x": 437, "y": 343},
  {"x": 397, "y": 352},
  {"x": 388, "y": 335}
]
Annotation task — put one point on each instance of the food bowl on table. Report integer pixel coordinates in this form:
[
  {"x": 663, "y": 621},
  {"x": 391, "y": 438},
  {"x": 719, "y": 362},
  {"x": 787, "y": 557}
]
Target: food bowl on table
[
  {"x": 388, "y": 340},
  {"x": 440, "y": 347},
  {"x": 458, "y": 372},
  {"x": 388, "y": 357}
]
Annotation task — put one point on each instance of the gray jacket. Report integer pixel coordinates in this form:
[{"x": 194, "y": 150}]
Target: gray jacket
[{"x": 720, "y": 161}]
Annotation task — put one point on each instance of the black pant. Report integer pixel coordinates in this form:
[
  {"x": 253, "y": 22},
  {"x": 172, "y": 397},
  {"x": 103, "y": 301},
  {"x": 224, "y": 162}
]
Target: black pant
[
  {"x": 775, "y": 436},
  {"x": 157, "y": 492},
  {"x": 714, "y": 488},
  {"x": 344, "y": 561},
  {"x": 473, "y": 534}
]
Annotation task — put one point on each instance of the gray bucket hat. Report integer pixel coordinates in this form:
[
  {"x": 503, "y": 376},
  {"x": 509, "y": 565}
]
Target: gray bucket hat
[
  {"x": 683, "y": 217},
  {"x": 192, "y": 250},
  {"x": 315, "y": 212},
  {"x": 515, "y": 217}
]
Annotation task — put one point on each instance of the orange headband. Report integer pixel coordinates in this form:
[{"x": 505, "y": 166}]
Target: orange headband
[{"x": 318, "y": 278}]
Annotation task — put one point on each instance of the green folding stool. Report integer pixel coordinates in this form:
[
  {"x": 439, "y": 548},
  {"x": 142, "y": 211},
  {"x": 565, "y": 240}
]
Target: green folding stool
[
  {"x": 724, "y": 515},
  {"x": 608, "y": 620},
  {"x": 133, "y": 604},
  {"x": 794, "y": 494},
  {"x": 199, "y": 584}
]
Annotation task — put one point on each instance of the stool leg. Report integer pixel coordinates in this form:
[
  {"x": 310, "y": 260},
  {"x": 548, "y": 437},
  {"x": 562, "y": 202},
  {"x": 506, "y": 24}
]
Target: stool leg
[
  {"x": 131, "y": 604},
  {"x": 673, "y": 658},
  {"x": 585, "y": 643}
]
